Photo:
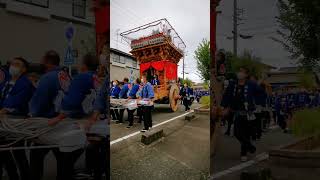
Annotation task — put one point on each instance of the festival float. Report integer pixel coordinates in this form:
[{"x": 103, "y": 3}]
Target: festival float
[{"x": 158, "y": 48}]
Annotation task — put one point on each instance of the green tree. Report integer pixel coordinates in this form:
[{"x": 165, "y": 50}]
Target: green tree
[
  {"x": 300, "y": 30},
  {"x": 186, "y": 80},
  {"x": 307, "y": 80},
  {"x": 206, "y": 85},
  {"x": 249, "y": 61},
  {"x": 202, "y": 55}
]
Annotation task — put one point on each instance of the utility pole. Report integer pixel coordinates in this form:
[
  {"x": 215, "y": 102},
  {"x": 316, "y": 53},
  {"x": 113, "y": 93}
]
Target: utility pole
[
  {"x": 183, "y": 68},
  {"x": 184, "y": 55},
  {"x": 117, "y": 37},
  {"x": 235, "y": 28}
]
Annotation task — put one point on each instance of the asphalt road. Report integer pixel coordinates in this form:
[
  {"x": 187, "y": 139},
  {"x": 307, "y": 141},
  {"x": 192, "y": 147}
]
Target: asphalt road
[
  {"x": 228, "y": 151},
  {"x": 182, "y": 154},
  {"x": 161, "y": 113}
]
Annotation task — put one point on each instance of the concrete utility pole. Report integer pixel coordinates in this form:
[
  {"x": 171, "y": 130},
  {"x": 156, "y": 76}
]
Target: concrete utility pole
[
  {"x": 235, "y": 27},
  {"x": 184, "y": 55},
  {"x": 183, "y": 67},
  {"x": 117, "y": 37}
]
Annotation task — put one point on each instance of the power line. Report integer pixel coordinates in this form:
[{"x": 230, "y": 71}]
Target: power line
[
  {"x": 122, "y": 13},
  {"x": 258, "y": 27},
  {"x": 119, "y": 5},
  {"x": 127, "y": 11}
]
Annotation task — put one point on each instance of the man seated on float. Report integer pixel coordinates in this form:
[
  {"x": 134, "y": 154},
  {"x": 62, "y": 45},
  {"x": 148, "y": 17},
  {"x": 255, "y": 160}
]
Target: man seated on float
[
  {"x": 123, "y": 94},
  {"x": 15, "y": 95},
  {"x": 77, "y": 103},
  {"x": 155, "y": 81}
]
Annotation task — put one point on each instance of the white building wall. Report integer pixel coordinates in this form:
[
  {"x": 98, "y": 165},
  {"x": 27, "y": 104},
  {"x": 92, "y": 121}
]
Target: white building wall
[
  {"x": 119, "y": 71},
  {"x": 30, "y": 36}
]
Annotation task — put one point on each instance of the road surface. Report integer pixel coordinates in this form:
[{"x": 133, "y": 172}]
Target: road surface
[
  {"x": 226, "y": 163},
  {"x": 182, "y": 154}
]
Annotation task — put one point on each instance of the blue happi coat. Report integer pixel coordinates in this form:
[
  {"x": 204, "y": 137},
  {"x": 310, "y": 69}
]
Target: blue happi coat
[
  {"x": 282, "y": 104},
  {"x": 147, "y": 91},
  {"x": 100, "y": 103},
  {"x": 155, "y": 82},
  {"x": 251, "y": 90},
  {"x": 50, "y": 86},
  {"x": 134, "y": 90},
  {"x": 115, "y": 91},
  {"x": 16, "y": 96},
  {"x": 123, "y": 94},
  {"x": 81, "y": 87}
]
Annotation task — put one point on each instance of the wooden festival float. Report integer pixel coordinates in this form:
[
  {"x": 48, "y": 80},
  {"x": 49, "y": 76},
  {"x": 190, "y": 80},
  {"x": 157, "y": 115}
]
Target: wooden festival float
[{"x": 158, "y": 48}]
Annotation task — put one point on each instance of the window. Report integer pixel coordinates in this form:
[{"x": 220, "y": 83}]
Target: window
[
  {"x": 134, "y": 63},
  {"x": 115, "y": 58},
  {"x": 79, "y": 8},
  {"x": 41, "y": 3},
  {"x": 122, "y": 60}
]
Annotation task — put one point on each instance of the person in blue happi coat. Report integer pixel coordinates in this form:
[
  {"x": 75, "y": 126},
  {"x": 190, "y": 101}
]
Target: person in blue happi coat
[
  {"x": 15, "y": 94},
  {"x": 97, "y": 153},
  {"x": 311, "y": 99},
  {"x": 100, "y": 104},
  {"x": 273, "y": 99},
  {"x": 147, "y": 94},
  {"x": 155, "y": 81},
  {"x": 140, "y": 108},
  {"x": 81, "y": 86},
  {"x": 302, "y": 98},
  {"x": 133, "y": 95},
  {"x": 185, "y": 94},
  {"x": 17, "y": 90},
  {"x": 198, "y": 95},
  {"x": 75, "y": 104},
  {"x": 291, "y": 98},
  {"x": 316, "y": 98},
  {"x": 114, "y": 93},
  {"x": 123, "y": 94},
  {"x": 239, "y": 98},
  {"x": 260, "y": 100},
  {"x": 45, "y": 103},
  {"x": 115, "y": 89},
  {"x": 282, "y": 110}
]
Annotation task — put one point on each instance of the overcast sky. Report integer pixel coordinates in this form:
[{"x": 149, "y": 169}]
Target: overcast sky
[
  {"x": 191, "y": 19},
  {"x": 259, "y": 21}
]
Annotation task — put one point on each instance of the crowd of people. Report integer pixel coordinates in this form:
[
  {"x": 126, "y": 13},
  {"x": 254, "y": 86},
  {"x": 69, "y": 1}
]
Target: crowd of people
[
  {"x": 251, "y": 108},
  {"x": 55, "y": 97},
  {"x": 144, "y": 90},
  {"x": 140, "y": 89}
]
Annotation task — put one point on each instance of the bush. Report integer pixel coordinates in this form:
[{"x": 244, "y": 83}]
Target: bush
[
  {"x": 306, "y": 123},
  {"x": 205, "y": 100}
]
